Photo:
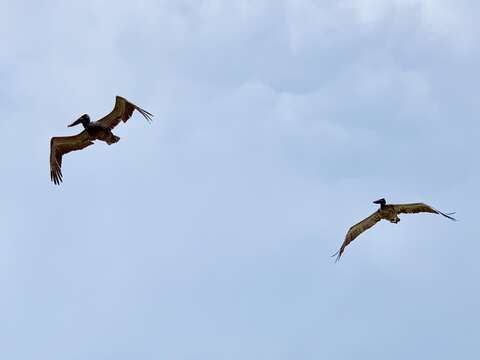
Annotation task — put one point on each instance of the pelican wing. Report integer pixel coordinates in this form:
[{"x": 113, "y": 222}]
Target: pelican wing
[
  {"x": 356, "y": 230},
  {"x": 62, "y": 145},
  {"x": 122, "y": 111},
  {"x": 418, "y": 208}
]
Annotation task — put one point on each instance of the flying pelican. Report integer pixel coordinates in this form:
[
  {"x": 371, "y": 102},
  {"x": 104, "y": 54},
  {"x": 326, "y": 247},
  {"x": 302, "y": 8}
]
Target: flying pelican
[
  {"x": 98, "y": 130},
  {"x": 388, "y": 212}
]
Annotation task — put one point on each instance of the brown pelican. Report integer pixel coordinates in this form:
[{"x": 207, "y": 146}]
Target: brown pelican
[
  {"x": 388, "y": 212},
  {"x": 98, "y": 130}
]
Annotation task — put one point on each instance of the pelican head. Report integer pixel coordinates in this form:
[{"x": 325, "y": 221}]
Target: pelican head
[
  {"x": 380, "y": 201},
  {"x": 84, "y": 120}
]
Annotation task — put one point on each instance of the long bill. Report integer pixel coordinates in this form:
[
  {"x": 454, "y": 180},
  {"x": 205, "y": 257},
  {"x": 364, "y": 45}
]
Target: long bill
[{"x": 76, "y": 122}]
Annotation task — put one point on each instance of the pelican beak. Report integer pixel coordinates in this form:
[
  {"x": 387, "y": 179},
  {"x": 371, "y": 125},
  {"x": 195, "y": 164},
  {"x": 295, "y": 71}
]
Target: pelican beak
[{"x": 76, "y": 122}]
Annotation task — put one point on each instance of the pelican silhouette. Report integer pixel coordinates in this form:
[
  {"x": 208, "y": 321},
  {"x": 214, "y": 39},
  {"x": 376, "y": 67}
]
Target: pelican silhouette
[
  {"x": 98, "y": 130},
  {"x": 387, "y": 212}
]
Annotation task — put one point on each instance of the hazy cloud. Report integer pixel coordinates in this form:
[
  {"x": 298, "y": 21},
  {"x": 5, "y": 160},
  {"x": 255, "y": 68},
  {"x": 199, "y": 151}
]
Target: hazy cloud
[{"x": 207, "y": 235}]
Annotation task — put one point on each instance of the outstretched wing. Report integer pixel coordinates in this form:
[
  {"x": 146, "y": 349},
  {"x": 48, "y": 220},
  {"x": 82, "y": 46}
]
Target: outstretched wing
[
  {"x": 122, "y": 111},
  {"x": 418, "y": 208},
  {"x": 62, "y": 145},
  {"x": 356, "y": 230}
]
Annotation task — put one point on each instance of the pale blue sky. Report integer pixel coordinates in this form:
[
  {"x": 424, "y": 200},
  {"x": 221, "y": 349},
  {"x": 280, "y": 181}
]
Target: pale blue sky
[{"x": 208, "y": 234}]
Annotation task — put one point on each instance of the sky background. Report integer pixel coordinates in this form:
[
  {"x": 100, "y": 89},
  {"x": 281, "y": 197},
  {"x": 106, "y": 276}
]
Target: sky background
[{"x": 208, "y": 234}]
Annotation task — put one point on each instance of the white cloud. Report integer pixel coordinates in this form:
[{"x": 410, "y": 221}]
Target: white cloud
[{"x": 448, "y": 22}]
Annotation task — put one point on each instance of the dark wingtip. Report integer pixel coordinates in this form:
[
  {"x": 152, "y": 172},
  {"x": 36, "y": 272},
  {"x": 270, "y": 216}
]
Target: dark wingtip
[
  {"x": 56, "y": 178},
  {"x": 447, "y": 215},
  {"x": 145, "y": 114},
  {"x": 338, "y": 254},
  {"x": 148, "y": 112}
]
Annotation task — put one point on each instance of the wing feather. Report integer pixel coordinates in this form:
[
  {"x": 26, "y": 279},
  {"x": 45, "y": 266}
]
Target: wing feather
[
  {"x": 415, "y": 208},
  {"x": 122, "y": 111},
  {"x": 356, "y": 230},
  {"x": 62, "y": 145}
]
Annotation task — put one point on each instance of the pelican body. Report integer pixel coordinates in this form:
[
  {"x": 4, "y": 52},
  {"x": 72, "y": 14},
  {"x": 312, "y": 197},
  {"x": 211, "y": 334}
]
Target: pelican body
[
  {"x": 386, "y": 212},
  {"x": 96, "y": 130}
]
